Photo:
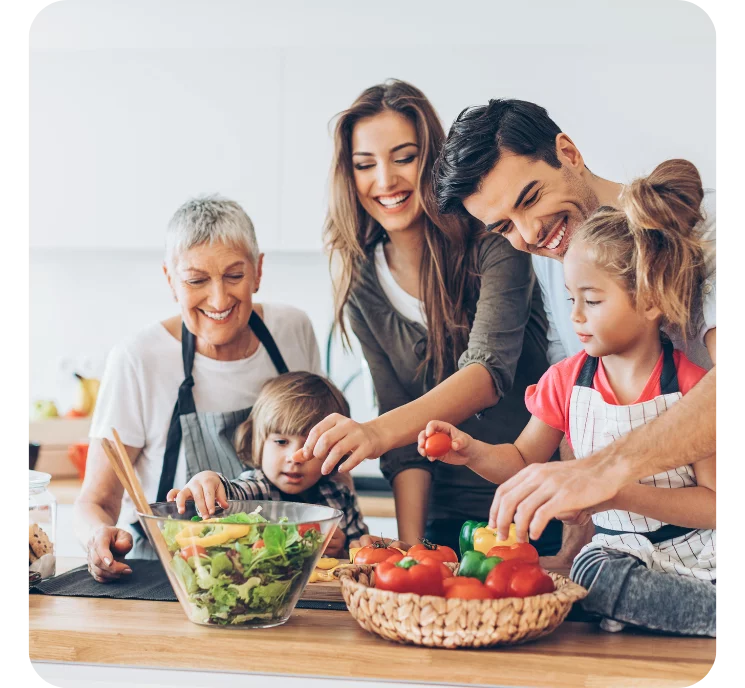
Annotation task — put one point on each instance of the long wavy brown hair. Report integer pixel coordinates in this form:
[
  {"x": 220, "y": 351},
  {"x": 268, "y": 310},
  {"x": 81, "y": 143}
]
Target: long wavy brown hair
[{"x": 448, "y": 276}]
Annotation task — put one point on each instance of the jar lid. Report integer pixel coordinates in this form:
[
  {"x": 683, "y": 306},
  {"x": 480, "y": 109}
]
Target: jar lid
[{"x": 37, "y": 479}]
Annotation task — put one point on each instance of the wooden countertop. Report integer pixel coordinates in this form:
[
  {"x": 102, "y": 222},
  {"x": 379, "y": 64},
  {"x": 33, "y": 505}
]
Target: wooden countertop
[
  {"x": 65, "y": 491},
  {"x": 328, "y": 643}
]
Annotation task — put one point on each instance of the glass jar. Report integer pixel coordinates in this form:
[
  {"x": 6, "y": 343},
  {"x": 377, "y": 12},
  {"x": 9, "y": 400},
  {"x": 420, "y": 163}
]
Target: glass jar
[{"x": 42, "y": 521}]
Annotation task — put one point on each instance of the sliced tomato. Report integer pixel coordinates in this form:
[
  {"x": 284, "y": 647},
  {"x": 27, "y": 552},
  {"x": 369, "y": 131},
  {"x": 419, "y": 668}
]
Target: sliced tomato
[
  {"x": 193, "y": 551},
  {"x": 259, "y": 544}
]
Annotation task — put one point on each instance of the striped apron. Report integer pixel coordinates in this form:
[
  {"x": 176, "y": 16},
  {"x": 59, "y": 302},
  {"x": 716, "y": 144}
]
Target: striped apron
[
  {"x": 207, "y": 437},
  {"x": 593, "y": 424}
]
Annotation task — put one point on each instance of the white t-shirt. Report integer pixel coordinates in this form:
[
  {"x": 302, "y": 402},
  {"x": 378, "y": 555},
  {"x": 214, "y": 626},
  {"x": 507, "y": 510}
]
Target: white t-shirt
[
  {"x": 562, "y": 339},
  {"x": 407, "y": 305},
  {"x": 140, "y": 386}
]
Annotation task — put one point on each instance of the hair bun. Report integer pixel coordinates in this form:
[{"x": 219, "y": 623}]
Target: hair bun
[{"x": 669, "y": 199}]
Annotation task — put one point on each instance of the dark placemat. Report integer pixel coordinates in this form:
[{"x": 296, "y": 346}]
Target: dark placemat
[{"x": 148, "y": 581}]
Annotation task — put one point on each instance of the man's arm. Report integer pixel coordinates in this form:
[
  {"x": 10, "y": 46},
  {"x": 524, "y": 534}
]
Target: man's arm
[{"x": 683, "y": 435}]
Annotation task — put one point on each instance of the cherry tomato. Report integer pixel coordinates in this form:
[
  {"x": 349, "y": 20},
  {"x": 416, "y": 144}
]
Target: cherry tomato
[
  {"x": 529, "y": 580},
  {"x": 438, "y": 444},
  {"x": 377, "y": 552},
  {"x": 303, "y": 528},
  {"x": 259, "y": 544},
  {"x": 498, "y": 579},
  {"x": 426, "y": 548},
  {"x": 522, "y": 551},
  {"x": 466, "y": 589},
  {"x": 193, "y": 551}
]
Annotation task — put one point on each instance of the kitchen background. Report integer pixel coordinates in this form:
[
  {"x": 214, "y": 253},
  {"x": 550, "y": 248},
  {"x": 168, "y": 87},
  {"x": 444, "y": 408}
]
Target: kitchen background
[{"x": 136, "y": 106}]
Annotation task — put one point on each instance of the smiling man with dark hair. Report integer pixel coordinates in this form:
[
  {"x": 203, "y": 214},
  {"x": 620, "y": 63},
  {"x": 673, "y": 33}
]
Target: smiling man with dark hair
[{"x": 509, "y": 165}]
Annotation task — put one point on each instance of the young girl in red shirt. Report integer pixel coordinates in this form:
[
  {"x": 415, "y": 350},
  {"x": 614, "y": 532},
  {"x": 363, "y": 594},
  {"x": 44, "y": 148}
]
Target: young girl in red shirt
[{"x": 652, "y": 561}]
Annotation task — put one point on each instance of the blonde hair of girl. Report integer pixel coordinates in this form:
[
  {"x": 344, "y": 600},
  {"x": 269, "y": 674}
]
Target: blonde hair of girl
[
  {"x": 650, "y": 244},
  {"x": 289, "y": 404}
]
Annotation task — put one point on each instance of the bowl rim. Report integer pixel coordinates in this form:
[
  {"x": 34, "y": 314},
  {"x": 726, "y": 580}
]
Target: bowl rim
[{"x": 336, "y": 514}]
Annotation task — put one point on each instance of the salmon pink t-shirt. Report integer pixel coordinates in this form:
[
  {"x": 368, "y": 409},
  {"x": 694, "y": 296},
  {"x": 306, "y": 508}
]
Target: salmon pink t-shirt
[{"x": 549, "y": 399}]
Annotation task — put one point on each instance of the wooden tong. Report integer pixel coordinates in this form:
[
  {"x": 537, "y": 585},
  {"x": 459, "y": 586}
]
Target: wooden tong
[{"x": 124, "y": 470}]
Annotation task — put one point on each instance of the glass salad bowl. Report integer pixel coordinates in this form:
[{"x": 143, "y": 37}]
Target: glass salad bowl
[{"x": 246, "y": 566}]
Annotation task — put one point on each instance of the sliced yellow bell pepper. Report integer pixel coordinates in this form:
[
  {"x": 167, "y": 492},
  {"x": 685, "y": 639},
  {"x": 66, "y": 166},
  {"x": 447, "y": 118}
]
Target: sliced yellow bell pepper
[
  {"x": 327, "y": 563},
  {"x": 228, "y": 531},
  {"x": 486, "y": 538}
]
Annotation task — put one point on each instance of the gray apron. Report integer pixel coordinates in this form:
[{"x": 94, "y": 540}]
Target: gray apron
[{"x": 207, "y": 437}]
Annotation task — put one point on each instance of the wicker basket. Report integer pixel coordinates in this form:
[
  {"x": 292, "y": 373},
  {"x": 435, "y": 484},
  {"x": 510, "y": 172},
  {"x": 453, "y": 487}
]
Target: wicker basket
[{"x": 439, "y": 622}]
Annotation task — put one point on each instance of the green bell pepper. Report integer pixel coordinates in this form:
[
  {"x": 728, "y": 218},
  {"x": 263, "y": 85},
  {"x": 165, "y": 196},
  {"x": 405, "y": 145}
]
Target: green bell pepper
[
  {"x": 466, "y": 535},
  {"x": 477, "y": 565}
]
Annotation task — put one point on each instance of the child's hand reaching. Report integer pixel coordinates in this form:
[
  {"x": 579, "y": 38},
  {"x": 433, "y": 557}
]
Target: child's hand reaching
[
  {"x": 461, "y": 444},
  {"x": 205, "y": 489},
  {"x": 337, "y": 544}
]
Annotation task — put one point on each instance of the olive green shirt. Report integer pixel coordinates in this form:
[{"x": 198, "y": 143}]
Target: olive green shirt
[{"x": 507, "y": 337}]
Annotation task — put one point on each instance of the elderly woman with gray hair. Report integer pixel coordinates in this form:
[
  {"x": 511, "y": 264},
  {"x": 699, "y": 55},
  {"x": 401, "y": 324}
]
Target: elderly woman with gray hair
[{"x": 177, "y": 390}]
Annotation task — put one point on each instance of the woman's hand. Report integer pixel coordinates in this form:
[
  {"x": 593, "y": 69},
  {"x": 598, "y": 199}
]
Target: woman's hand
[
  {"x": 335, "y": 437},
  {"x": 106, "y": 548},
  {"x": 337, "y": 544},
  {"x": 204, "y": 489},
  {"x": 461, "y": 444}
]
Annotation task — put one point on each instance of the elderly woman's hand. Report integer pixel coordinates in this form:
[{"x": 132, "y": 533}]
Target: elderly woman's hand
[
  {"x": 335, "y": 437},
  {"x": 107, "y": 546}
]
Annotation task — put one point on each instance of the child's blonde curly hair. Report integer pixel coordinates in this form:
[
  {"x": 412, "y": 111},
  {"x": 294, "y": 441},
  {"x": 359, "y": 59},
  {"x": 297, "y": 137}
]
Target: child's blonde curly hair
[{"x": 289, "y": 404}]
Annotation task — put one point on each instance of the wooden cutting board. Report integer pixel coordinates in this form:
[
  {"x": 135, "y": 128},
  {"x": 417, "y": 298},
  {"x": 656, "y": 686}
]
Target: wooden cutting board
[{"x": 323, "y": 591}]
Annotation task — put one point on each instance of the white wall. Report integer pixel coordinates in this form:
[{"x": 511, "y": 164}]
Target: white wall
[{"x": 135, "y": 105}]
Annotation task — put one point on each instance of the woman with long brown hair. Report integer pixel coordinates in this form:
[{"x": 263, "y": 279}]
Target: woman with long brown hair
[{"x": 449, "y": 319}]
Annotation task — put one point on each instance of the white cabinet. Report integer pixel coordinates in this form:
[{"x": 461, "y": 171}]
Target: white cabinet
[{"x": 120, "y": 138}]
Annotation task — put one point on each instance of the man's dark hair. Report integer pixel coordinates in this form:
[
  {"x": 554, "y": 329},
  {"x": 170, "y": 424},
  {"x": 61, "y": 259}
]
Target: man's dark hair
[{"x": 477, "y": 139}]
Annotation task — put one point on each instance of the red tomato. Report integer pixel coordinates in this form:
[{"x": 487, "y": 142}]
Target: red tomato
[
  {"x": 467, "y": 589},
  {"x": 432, "y": 561},
  {"x": 529, "y": 580},
  {"x": 377, "y": 552},
  {"x": 523, "y": 551},
  {"x": 438, "y": 444},
  {"x": 427, "y": 549},
  {"x": 421, "y": 579},
  {"x": 193, "y": 551},
  {"x": 258, "y": 544},
  {"x": 303, "y": 528},
  {"x": 498, "y": 579}
]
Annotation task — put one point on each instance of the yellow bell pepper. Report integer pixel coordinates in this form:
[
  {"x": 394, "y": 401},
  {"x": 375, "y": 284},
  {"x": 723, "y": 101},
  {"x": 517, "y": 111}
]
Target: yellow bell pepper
[
  {"x": 327, "y": 563},
  {"x": 486, "y": 538},
  {"x": 228, "y": 531}
]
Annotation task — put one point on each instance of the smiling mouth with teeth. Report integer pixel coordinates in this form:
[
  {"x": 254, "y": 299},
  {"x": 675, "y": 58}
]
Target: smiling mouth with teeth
[
  {"x": 218, "y": 316},
  {"x": 394, "y": 201},
  {"x": 558, "y": 236}
]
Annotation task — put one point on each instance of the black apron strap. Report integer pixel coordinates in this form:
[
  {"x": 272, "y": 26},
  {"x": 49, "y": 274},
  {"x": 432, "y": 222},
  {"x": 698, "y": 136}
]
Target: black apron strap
[
  {"x": 666, "y": 532},
  {"x": 669, "y": 376},
  {"x": 184, "y": 405},
  {"x": 587, "y": 374},
  {"x": 265, "y": 337}
]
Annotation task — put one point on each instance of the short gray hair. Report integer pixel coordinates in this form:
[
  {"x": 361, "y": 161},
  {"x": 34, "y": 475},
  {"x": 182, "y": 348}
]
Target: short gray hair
[{"x": 210, "y": 220}]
